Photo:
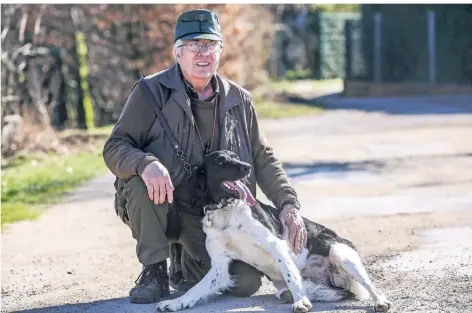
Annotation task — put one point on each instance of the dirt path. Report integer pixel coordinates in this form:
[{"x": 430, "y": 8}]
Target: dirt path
[{"x": 399, "y": 186}]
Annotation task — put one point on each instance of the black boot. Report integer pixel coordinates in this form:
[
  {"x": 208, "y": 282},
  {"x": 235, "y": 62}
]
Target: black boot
[{"x": 151, "y": 285}]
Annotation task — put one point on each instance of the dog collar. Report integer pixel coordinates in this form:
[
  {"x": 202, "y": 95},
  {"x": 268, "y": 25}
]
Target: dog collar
[{"x": 214, "y": 207}]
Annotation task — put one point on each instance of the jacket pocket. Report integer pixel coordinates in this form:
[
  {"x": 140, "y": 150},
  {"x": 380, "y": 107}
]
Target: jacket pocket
[{"x": 120, "y": 200}]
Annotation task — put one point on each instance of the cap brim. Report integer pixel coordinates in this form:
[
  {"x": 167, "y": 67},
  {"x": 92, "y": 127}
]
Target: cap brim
[{"x": 201, "y": 36}]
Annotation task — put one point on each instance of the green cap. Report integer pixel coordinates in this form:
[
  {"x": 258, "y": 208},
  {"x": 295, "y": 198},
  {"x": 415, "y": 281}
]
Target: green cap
[{"x": 198, "y": 24}]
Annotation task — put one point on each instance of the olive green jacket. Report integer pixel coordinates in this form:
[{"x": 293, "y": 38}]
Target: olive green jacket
[{"x": 138, "y": 137}]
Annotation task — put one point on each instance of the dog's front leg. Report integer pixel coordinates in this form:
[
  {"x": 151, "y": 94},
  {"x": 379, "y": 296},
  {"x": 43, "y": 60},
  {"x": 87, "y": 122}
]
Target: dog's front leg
[{"x": 217, "y": 279}]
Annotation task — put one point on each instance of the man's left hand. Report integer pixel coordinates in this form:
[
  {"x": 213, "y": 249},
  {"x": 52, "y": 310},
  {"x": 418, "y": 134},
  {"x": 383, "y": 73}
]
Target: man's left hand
[{"x": 292, "y": 223}]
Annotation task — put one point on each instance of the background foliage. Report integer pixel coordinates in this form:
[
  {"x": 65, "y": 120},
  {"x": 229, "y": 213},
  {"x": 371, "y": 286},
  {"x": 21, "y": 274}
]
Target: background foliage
[{"x": 73, "y": 65}]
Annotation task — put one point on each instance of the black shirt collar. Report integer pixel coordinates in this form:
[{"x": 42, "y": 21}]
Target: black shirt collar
[{"x": 193, "y": 94}]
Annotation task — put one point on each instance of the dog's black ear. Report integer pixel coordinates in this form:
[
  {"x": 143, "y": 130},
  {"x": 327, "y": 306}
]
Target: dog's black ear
[{"x": 199, "y": 189}]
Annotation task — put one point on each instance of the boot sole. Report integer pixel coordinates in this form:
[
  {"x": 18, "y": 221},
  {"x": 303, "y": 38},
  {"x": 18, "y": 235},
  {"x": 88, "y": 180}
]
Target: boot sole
[{"x": 146, "y": 300}]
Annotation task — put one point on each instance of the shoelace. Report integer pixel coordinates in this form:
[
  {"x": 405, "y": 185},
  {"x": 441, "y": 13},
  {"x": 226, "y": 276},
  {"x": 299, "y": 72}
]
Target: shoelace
[
  {"x": 159, "y": 270},
  {"x": 140, "y": 275}
]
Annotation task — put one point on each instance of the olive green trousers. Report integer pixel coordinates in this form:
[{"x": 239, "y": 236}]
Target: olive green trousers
[{"x": 148, "y": 223}]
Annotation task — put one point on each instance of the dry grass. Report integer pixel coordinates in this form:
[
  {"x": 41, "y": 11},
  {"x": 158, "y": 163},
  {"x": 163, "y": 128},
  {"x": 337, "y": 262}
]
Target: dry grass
[{"x": 26, "y": 135}]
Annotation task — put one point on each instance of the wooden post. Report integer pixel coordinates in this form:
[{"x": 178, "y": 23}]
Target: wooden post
[{"x": 377, "y": 47}]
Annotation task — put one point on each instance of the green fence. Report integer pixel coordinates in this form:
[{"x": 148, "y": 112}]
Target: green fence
[
  {"x": 414, "y": 43},
  {"x": 331, "y": 47}
]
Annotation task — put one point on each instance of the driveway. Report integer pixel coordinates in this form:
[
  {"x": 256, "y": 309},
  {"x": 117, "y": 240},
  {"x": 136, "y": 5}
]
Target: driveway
[{"x": 397, "y": 184}]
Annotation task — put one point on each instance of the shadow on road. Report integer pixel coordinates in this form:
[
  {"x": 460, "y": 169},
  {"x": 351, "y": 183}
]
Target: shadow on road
[
  {"x": 405, "y": 105},
  {"x": 298, "y": 170},
  {"x": 254, "y": 304},
  {"x": 112, "y": 305}
]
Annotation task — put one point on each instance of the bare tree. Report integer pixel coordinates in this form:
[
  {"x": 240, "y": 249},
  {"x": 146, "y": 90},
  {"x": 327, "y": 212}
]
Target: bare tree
[{"x": 43, "y": 48}]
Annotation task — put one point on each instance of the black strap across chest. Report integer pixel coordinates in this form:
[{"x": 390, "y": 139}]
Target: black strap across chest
[{"x": 153, "y": 101}]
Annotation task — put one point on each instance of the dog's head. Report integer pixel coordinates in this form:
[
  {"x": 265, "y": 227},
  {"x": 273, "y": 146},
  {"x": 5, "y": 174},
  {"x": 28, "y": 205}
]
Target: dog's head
[{"x": 221, "y": 177}]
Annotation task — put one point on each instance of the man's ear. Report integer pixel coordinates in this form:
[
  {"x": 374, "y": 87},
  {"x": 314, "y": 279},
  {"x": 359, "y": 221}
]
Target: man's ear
[{"x": 176, "y": 54}]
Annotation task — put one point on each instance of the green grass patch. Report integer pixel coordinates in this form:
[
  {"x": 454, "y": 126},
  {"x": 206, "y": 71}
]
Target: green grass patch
[
  {"x": 272, "y": 109},
  {"x": 305, "y": 89},
  {"x": 14, "y": 212},
  {"x": 31, "y": 183}
]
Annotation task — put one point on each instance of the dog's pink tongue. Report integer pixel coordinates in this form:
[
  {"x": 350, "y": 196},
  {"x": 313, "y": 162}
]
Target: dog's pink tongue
[{"x": 244, "y": 193}]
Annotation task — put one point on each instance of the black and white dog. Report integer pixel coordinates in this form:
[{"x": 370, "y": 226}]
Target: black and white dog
[{"x": 240, "y": 228}]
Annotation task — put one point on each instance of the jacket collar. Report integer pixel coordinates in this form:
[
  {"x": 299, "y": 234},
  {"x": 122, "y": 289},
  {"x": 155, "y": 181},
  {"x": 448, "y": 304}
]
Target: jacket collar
[{"x": 172, "y": 79}]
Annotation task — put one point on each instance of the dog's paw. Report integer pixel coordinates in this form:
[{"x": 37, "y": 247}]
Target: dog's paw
[
  {"x": 383, "y": 305},
  {"x": 168, "y": 306},
  {"x": 174, "y": 305},
  {"x": 302, "y": 306}
]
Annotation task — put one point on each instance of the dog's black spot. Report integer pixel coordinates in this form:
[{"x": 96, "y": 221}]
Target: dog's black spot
[
  {"x": 224, "y": 228},
  {"x": 288, "y": 275},
  {"x": 266, "y": 215},
  {"x": 240, "y": 225},
  {"x": 213, "y": 282},
  {"x": 288, "y": 281},
  {"x": 279, "y": 260}
]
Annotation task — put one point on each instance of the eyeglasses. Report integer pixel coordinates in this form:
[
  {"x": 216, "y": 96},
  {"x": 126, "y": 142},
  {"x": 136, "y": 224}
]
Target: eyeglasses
[{"x": 197, "y": 46}]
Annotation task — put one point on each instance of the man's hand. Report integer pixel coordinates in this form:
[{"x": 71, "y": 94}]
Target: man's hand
[
  {"x": 292, "y": 223},
  {"x": 158, "y": 182}
]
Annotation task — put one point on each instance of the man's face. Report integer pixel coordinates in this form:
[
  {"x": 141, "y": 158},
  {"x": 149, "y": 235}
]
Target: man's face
[{"x": 198, "y": 60}]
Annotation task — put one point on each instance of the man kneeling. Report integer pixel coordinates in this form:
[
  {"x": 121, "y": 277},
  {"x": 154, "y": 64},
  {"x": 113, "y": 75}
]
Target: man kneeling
[{"x": 205, "y": 112}]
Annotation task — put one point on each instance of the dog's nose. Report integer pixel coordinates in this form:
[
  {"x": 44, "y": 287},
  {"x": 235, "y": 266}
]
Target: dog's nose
[{"x": 245, "y": 168}]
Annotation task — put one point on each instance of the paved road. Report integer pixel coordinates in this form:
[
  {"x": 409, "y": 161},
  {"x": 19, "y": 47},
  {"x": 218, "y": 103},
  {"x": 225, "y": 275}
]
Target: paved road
[{"x": 398, "y": 185}]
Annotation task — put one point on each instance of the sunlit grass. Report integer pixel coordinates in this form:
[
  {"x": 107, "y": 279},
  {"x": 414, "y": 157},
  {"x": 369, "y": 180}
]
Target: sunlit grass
[{"x": 29, "y": 184}]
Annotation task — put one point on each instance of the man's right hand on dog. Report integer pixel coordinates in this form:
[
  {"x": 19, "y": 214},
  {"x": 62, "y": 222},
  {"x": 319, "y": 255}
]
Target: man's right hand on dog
[{"x": 158, "y": 182}]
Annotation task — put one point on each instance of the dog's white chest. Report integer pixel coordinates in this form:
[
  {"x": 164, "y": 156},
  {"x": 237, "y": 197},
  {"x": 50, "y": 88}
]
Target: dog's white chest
[{"x": 242, "y": 239}]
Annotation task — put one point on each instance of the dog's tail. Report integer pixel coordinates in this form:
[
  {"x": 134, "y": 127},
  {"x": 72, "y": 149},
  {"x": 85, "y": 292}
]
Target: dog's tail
[{"x": 323, "y": 292}]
